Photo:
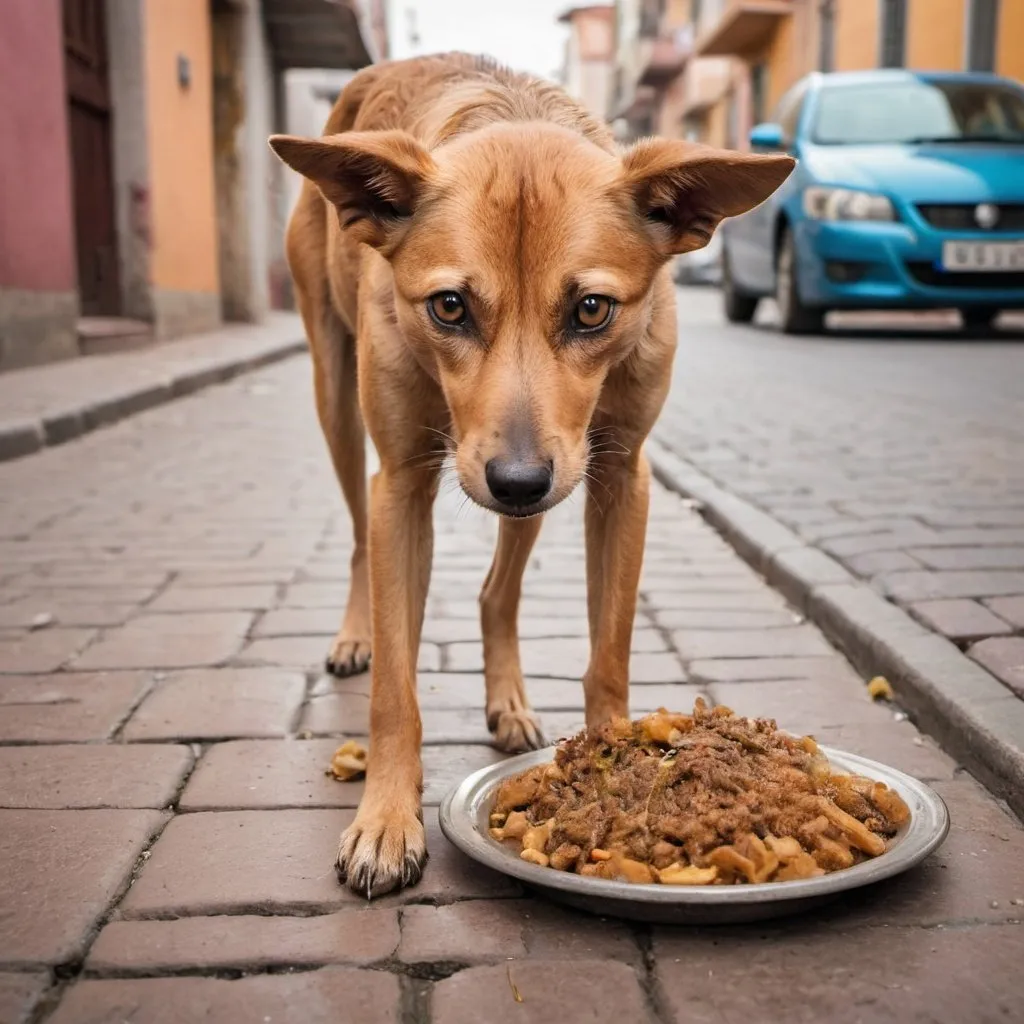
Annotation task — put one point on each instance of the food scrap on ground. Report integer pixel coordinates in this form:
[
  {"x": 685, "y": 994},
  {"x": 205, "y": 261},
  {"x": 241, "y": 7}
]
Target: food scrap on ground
[
  {"x": 711, "y": 798},
  {"x": 348, "y": 762},
  {"x": 880, "y": 688}
]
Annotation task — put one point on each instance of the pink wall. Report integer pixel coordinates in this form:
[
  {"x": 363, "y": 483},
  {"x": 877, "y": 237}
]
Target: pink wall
[{"x": 36, "y": 223}]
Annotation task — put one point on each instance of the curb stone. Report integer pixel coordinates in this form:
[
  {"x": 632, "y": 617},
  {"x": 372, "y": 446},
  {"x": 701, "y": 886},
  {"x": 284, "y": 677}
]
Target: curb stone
[
  {"x": 968, "y": 711},
  {"x": 58, "y": 426}
]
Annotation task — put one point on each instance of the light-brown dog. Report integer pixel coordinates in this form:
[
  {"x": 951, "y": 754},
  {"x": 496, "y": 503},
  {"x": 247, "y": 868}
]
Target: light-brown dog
[{"x": 477, "y": 264}]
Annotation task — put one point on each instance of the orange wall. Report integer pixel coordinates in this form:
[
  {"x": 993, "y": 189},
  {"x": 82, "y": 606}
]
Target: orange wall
[
  {"x": 1010, "y": 41},
  {"x": 856, "y": 41},
  {"x": 935, "y": 34},
  {"x": 180, "y": 125}
]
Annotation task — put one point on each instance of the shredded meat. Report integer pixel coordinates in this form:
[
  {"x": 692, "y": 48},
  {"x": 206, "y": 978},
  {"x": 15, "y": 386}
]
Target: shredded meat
[{"x": 707, "y": 798}]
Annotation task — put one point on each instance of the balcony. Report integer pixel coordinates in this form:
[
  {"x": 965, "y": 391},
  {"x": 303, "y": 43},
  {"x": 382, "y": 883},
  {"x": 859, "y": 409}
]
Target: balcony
[
  {"x": 315, "y": 33},
  {"x": 743, "y": 27},
  {"x": 666, "y": 58}
]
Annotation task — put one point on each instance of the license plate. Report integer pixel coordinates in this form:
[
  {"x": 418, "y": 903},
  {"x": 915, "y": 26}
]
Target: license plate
[{"x": 983, "y": 256}]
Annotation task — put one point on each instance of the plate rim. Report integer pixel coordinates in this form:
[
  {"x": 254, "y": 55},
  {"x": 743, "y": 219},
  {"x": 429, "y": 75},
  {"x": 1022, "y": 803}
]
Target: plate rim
[{"x": 917, "y": 844}]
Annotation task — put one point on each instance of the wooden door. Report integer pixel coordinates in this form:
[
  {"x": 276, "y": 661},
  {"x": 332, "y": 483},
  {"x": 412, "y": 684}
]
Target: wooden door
[{"x": 89, "y": 126}]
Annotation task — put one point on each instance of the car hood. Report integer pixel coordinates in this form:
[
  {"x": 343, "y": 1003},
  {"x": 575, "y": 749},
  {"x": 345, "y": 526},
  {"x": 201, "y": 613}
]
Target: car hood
[{"x": 933, "y": 172}]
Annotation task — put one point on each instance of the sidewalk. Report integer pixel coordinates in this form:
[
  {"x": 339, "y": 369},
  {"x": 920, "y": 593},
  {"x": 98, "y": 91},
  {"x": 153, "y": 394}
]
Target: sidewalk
[
  {"x": 55, "y": 403},
  {"x": 876, "y": 475},
  {"x": 167, "y": 834}
]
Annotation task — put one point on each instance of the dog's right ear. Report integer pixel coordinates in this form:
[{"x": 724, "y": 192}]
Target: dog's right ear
[{"x": 373, "y": 178}]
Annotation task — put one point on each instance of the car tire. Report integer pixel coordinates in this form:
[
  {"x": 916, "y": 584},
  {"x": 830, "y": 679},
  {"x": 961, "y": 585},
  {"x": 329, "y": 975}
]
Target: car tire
[
  {"x": 794, "y": 316},
  {"x": 979, "y": 318},
  {"x": 739, "y": 308}
]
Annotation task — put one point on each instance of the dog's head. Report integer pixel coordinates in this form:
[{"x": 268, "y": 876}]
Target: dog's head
[{"x": 523, "y": 259}]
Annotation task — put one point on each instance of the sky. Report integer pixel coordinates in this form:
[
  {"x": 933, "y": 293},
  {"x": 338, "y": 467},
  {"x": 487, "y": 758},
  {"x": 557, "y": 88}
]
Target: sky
[{"x": 525, "y": 34}]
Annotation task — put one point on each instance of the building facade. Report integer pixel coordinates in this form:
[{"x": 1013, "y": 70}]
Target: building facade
[
  {"x": 740, "y": 56},
  {"x": 138, "y": 197},
  {"x": 589, "y": 49}
]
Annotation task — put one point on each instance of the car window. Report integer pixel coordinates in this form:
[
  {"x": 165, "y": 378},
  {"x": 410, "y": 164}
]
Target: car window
[{"x": 919, "y": 110}]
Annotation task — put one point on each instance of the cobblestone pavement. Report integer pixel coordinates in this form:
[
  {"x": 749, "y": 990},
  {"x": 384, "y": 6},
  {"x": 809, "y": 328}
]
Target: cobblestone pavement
[
  {"x": 899, "y": 453},
  {"x": 167, "y": 833}
]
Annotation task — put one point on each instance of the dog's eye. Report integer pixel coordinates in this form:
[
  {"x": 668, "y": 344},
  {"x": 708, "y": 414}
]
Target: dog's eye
[
  {"x": 447, "y": 308},
  {"x": 592, "y": 313}
]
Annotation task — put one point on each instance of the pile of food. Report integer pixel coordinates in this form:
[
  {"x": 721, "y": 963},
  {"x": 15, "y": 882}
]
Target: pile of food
[{"x": 710, "y": 798}]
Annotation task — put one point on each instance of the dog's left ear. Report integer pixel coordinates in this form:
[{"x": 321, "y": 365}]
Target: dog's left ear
[
  {"x": 684, "y": 189},
  {"x": 375, "y": 179}
]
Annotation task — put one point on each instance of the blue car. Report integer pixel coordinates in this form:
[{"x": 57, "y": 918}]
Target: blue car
[{"x": 908, "y": 194}]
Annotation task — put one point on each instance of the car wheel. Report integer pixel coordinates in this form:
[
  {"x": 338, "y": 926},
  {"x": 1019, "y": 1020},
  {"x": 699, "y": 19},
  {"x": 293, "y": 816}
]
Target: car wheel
[
  {"x": 794, "y": 316},
  {"x": 739, "y": 308},
  {"x": 979, "y": 318}
]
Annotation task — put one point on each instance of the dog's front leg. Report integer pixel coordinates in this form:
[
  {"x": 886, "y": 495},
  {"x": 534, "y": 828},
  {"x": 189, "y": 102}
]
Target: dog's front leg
[
  {"x": 618, "y": 495},
  {"x": 385, "y": 847}
]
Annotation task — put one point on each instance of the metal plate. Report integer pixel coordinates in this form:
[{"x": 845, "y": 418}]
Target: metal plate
[{"x": 464, "y": 820}]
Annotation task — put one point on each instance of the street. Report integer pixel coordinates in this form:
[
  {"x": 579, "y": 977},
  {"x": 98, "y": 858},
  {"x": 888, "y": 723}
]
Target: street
[
  {"x": 901, "y": 453},
  {"x": 168, "y": 589}
]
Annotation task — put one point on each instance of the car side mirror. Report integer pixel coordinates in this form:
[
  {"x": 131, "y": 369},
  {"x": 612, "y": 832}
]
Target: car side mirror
[{"x": 767, "y": 136}]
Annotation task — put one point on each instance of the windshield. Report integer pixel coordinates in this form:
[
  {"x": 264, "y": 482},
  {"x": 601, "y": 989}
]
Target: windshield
[{"x": 918, "y": 110}]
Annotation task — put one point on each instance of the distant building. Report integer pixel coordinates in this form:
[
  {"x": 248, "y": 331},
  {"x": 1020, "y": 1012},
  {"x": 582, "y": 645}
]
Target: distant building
[
  {"x": 711, "y": 69},
  {"x": 138, "y": 197},
  {"x": 587, "y": 70}
]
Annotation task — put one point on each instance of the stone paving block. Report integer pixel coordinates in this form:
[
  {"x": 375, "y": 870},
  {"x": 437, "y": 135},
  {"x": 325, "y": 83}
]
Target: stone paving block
[
  {"x": 306, "y": 651},
  {"x": 893, "y": 743},
  {"x": 808, "y": 975},
  {"x": 959, "y": 619},
  {"x": 596, "y": 991},
  {"x": 471, "y": 932},
  {"x": 757, "y": 600},
  {"x": 280, "y": 862},
  {"x": 68, "y": 707},
  {"x": 44, "y": 650},
  {"x": 726, "y": 670},
  {"x": 177, "y": 598},
  {"x": 873, "y": 563},
  {"x": 265, "y": 774},
  {"x": 84, "y": 775},
  {"x": 219, "y": 703},
  {"x": 341, "y": 712},
  {"x": 169, "y": 641},
  {"x": 802, "y": 705},
  {"x": 19, "y": 994},
  {"x": 554, "y": 932},
  {"x": 21, "y": 614},
  {"x": 794, "y": 642},
  {"x": 322, "y": 622},
  {"x": 354, "y": 935},
  {"x": 1010, "y": 609},
  {"x": 974, "y": 557},
  {"x": 924, "y": 586},
  {"x": 62, "y": 870},
  {"x": 699, "y": 619},
  {"x": 561, "y": 658},
  {"x": 1004, "y": 658},
  {"x": 312, "y": 997}
]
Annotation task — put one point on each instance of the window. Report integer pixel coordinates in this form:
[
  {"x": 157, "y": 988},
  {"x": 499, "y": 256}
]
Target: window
[
  {"x": 917, "y": 110},
  {"x": 827, "y": 36},
  {"x": 982, "y": 24},
  {"x": 893, "y": 41},
  {"x": 759, "y": 92}
]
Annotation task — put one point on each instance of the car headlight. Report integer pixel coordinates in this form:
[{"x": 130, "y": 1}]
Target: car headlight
[{"x": 823, "y": 203}]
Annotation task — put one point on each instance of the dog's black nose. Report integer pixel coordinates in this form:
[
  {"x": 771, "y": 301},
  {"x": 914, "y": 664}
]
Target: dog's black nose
[{"x": 518, "y": 484}]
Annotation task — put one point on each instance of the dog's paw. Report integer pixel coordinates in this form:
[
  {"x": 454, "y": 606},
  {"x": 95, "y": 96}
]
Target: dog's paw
[
  {"x": 382, "y": 852},
  {"x": 348, "y": 657},
  {"x": 515, "y": 729}
]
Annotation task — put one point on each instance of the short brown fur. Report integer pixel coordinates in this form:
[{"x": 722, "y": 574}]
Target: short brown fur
[{"x": 451, "y": 174}]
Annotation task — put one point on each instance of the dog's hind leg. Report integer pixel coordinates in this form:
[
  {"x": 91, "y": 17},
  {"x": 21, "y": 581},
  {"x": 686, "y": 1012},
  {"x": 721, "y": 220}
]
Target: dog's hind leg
[
  {"x": 509, "y": 716},
  {"x": 337, "y": 404}
]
